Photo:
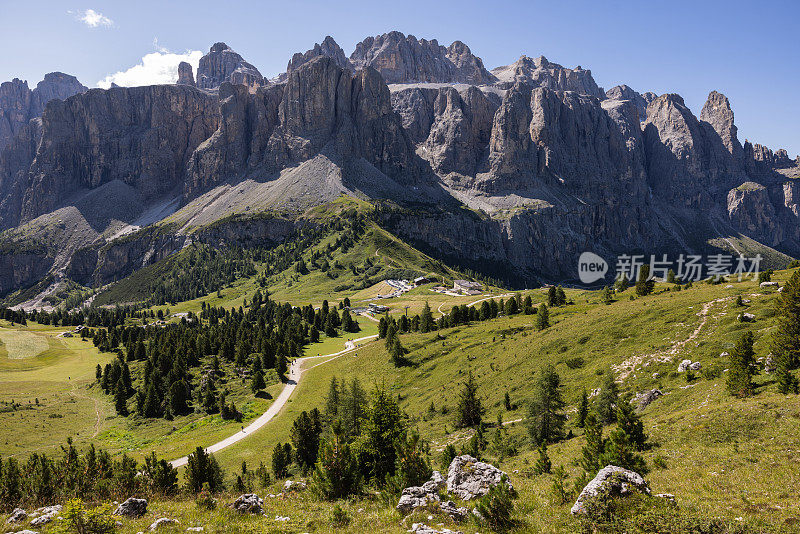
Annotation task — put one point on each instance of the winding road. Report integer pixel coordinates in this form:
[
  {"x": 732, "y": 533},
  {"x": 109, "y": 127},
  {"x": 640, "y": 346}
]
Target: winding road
[{"x": 295, "y": 374}]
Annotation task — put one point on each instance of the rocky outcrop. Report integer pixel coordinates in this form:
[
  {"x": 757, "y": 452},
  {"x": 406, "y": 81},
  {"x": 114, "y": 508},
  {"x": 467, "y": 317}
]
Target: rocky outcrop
[
  {"x": 142, "y": 136},
  {"x": 328, "y": 48},
  {"x": 717, "y": 112},
  {"x": 222, "y": 64},
  {"x": 539, "y": 72},
  {"x": 19, "y": 104},
  {"x": 321, "y": 106},
  {"x": 610, "y": 482},
  {"x": 406, "y": 59},
  {"x": 688, "y": 162},
  {"x": 751, "y": 211},
  {"x": 132, "y": 508},
  {"x": 17, "y": 516},
  {"x": 641, "y": 101},
  {"x": 469, "y": 478},
  {"x": 185, "y": 74},
  {"x": 248, "y": 503}
]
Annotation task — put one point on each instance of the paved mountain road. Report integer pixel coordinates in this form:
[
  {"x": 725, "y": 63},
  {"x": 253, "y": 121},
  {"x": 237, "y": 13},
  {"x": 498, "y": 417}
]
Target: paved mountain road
[{"x": 295, "y": 374}]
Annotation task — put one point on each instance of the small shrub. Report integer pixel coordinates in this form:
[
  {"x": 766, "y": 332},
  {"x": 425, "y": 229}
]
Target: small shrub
[
  {"x": 495, "y": 508},
  {"x": 575, "y": 363},
  {"x": 659, "y": 462},
  {"x": 339, "y": 517},
  {"x": 204, "y": 499},
  {"x": 77, "y": 518}
]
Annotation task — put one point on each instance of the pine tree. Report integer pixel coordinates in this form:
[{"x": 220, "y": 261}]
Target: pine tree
[
  {"x": 383, "y": 426},
  {"x": 305, "y": 434},
  {"x": 507, "y": 402},
  {"x": 542, "y": 317},
  {"x": 623, "y": 283},
  {"x": 621, "y": 452},
  {"x": 332, "y": 400},
  {"x": 583, "y": 409},
  {"x": 257, "y": 383},
  {"x": 426, "y": 322},
  {"x": 742, "y": 367},
  {"x": 605, "y": 296},
  {"x": 631, "y": 424},
  {"x": 670, "y": 276},
  {"x": 281, "y": 461},
  {"x": 470, "y": 410},
  {"x": 152, "y": 405},
  {"x": 607, "y": 400},
  {"x": 336, "y": 475},
  {"x": 543, "y": 463},
  {"x": 120, "y": 398},
  {"x": 202, "y": 468},
  {"x": 644, "y": 286},
  {"x": 786, "y": 340},
  {"x": 551, "y": 297},
  {"x": 545, "y": 414},
  {"x": 592, "y": 452}
]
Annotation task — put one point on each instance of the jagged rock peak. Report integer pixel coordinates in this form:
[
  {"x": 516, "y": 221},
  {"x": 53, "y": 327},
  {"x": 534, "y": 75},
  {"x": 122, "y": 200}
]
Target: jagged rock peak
[
  {"x": 539, "y": 72},
  {"x": 641, "y": 101},
  {"x": 406, "y": 59},
  {"x": 19, "y": 104},
  {"x": 222, "y": 64},
  {"x": 185, "y": 74},
  {"x": 328, "y": 48},
  {"x": 718, "y": 113}
]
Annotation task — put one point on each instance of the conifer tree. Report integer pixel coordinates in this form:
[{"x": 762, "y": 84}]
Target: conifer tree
[
  {"x": 742, "y": 367},
  {"x": 786, "y": 340},
  {"x": 583, "y": 409},
  {"x": 542, "y": 317},
  {"x": 120, "y": 398},
  {"x": 592, "y": 452},
  {"x": 336, "y": 474},
  {"x": 332, "y": 400},
  {"x": 257, "y": 383},
  {"x": 644, "y": 286},
  {"x": 623, "y": 283},
  {"x": 426, "y": 322},
  {"x": 607, "y": 400},
  {"x": 545, "y": 414},
  {"x": 470, "y": 410},
  {"x": 543, "y": 463}
]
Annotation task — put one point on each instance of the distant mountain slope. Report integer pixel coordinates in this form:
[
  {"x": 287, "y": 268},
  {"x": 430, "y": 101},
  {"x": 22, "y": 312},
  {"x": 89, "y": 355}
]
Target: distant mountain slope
[{"x": 515, "y": 172}]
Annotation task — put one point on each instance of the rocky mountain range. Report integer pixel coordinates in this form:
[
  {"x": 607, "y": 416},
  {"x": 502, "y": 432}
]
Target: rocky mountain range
[{"x": 547, "y": 163}]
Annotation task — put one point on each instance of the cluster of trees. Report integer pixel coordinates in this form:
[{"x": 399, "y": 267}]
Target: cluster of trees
[
  {"x": 93, "y": 474},
  {"x": 169, "y": 378},
  {"x": 785, "y": 345},
  {"x": 360, "y": 440}
]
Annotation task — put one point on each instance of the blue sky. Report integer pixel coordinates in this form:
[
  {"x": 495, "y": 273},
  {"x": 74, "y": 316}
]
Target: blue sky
[{"x": 750, "y": 52}]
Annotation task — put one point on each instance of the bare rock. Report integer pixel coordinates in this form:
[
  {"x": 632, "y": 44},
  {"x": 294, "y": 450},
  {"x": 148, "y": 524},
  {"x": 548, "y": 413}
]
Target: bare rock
[
  {"x": 770, "y": 364},
  {"x": 469, "y": 478},
  {"x": 746, "y": 317},
  {"x": 328, "y": 48},
  {"x": 763, "y": 285},
  {"x": 185, "y": 74},
  {"x": 643, "y": 400},
  {"x": 539, "y": 72},
  {"x": 415, "y": 497},
  {"x": 163, "y": 522},
  {"x": 248, "y": 503},
  {"x": 291, "y": 485},
  {"x": 45, "y": 515},
  {"x": 456, "y": 513},
  {"x": 132, "y": 508},
  {"x": 404, "y": 59},
  {"x": 17, "y": 515},
  {"x": 610, "y": 482},
  {"x": 419, "y": 528},
  {"x": 222, "y": 64},
  {"x": 684, "y": 365}
]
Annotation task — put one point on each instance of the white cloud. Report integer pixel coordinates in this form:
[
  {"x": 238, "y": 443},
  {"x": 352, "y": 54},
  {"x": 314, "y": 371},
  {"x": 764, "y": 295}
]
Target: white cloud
[
  {"x": 155, "y": 68},
  {"x": 93, "y": 19}
]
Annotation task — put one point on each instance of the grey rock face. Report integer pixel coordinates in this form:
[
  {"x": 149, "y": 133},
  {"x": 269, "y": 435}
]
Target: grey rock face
[
  {"x": 132, "y": 507},
  {"x": 751, "y": 211},
  {"x": 641, "y": 101},
  {"x": 163, "y": 522},
  {"x": 185, "y": 74},
  {"x": 401, "y": 59},
  {"x": 718, "y": 113},
  {"x": 19, "y": 104},
  {"x": 328, "y": 48},
  {"x": 222, "y": 64},
  {"x": 610, "y": 482},
  {"x": 142, "y": 136},
  {"x": 539, "y": 72},
  {"x": 468, "y": 478},
  {"x": 455, "y": 512}
]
